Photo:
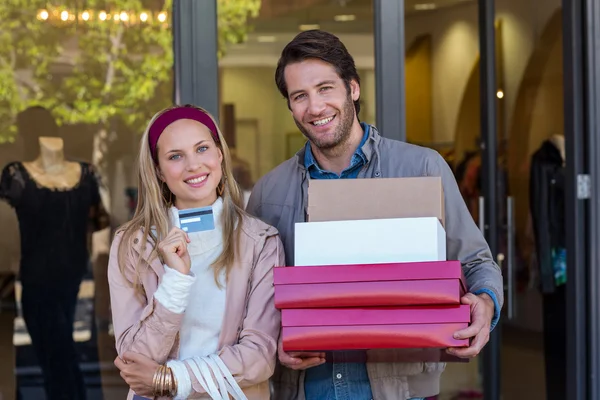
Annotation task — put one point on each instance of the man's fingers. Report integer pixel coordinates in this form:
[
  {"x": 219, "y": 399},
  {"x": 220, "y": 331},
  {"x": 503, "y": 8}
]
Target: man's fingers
[
  {"x": 474, "y": 349},
  {"x": 287, "y": 359},
  {"x": 299, "y": 360},
  {"x": 468, "y": 352},
  {"x": 308, "y": 363},
  {"x": 468, "y": 299},
  {"x": 480, "y": 341},
  {"x": 469, "y": 332},
  {"x": 306, "y": 354}
]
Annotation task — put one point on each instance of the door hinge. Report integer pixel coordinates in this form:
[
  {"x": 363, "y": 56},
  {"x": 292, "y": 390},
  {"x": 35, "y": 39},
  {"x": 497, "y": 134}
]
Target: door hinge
[{"x": 584, "y": 187}]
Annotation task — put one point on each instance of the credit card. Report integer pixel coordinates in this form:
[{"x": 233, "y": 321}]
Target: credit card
[{"x": 197, "y": 219}]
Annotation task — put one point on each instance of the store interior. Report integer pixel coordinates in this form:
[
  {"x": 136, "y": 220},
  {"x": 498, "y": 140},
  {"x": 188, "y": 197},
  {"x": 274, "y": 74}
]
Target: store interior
[{"x": 442, "y": 112}]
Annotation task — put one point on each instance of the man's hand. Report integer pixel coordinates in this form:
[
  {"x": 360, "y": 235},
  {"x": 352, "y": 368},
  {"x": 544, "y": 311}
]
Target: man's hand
[
  {"x": 299, "y": 360},
  {"x": 482, "y": 312},
  {"x": 138, "y": 371}
]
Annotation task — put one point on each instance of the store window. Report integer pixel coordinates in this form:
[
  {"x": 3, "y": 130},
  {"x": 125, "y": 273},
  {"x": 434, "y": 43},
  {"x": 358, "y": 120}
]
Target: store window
[
  {"x": 79, "y": 80},
  {"x": 443, "y": 112},
  {"x": 255, "y": 116}
]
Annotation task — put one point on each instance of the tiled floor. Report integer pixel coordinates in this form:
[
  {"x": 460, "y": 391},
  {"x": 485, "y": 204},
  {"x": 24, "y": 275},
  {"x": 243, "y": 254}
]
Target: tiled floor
[
  {"x": 522, "y": 371},
  {"x": 522, "y": 374}
]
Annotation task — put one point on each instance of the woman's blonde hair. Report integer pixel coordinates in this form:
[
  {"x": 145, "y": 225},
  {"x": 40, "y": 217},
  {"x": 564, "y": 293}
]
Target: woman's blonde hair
[{"x": 154, "y": 200}]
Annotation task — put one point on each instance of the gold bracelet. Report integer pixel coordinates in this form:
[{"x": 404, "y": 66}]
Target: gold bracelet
[
  {"x": 163, "y": 380},
  {"x": 174, "y": 383},
  {"x": 155, "y": 380},
  {"x": 167, "y": 388}
]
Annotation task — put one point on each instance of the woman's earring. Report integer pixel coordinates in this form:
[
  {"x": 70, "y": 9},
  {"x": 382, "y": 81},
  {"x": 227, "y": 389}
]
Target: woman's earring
[{"x": 221, "y": 188}]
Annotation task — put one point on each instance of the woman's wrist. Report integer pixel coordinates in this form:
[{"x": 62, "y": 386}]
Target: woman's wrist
[
  {"x": 182, "y": 379},
  {"x": 164, "y": 382},
  {"x": 174, "y": 290}
]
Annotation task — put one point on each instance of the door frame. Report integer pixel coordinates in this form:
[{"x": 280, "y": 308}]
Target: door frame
[
  {"x": 196, "y": 77},
  {"x": 587, "y": 148}
]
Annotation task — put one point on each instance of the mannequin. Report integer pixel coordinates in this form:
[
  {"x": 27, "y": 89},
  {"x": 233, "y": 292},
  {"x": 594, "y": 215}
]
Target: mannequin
[
  {"x": 50, "y": 169},
  {"x": 57, "y": 203},
  {"x": 547, "y": 207}
]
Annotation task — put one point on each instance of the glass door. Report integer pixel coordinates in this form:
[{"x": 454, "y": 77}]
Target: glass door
[{"x": 530, "y": 186}]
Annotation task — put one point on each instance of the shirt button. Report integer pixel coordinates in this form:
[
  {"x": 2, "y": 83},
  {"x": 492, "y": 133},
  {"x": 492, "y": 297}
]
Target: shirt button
[{"x": 339, "y": 376}]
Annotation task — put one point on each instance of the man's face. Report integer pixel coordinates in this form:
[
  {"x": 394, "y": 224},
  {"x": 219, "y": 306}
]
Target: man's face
[{"x": 321, "y": 105}]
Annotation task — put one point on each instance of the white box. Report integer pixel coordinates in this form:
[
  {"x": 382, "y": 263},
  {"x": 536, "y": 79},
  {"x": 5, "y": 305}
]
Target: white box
[{"x": 369, "y": 241}]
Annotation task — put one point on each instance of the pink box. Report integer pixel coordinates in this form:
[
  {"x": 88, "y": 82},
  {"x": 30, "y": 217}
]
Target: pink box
[
  {"x": 365, "y": 285},
  {"x": 328, "y": 329}
]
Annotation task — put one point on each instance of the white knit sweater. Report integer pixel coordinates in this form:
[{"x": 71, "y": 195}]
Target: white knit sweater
[{"x": 203, "y": 304}]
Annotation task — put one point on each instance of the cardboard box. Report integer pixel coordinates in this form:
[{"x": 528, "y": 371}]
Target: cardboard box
[
  {"x": 369, "y": 241},
  {"x": 369, "y": 285},
  {"x": 327, "y": 329},
  {"x": 351, "y": 199}
]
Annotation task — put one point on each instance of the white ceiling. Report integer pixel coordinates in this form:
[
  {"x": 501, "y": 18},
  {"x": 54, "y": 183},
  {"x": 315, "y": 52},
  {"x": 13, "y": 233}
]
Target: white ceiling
[{"x": 279, "y": 29}]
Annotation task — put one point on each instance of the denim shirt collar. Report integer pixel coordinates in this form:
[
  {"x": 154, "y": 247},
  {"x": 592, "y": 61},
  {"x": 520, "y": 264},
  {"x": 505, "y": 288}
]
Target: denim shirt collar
[{"x": 359, "y": 157}]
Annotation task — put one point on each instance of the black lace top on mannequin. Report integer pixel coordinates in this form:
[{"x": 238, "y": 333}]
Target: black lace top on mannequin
[{"x": 54, "y": 223}]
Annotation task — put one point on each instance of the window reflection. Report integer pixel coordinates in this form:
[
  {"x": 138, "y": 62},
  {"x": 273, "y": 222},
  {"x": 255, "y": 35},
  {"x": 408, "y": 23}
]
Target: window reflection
[
  {"x": 256, "y": 118},
  {"x": 79, "y": 81}
]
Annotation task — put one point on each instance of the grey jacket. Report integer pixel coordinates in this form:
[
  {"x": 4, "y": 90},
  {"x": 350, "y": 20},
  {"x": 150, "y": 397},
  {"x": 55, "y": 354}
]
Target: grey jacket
[{"x": 280, "y": 200}]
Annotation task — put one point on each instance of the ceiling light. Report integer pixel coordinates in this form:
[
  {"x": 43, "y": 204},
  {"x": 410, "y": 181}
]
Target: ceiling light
[
  {"x": 344, "y": 17},
  {"x": 103, "y": 16},
  {"x": 500, "y": 94},
  {"x": 425, "y": 6},
  {"x": 85, "y": 16},
  {"x": 308, "y": 27},
  {"x": 44, "y": 15},
  {"x": 144, "y": 17},
  {"x": 266, "y": 39},
  {"x": 162, "y": 17},
  {"x": 64, "y": 15}
]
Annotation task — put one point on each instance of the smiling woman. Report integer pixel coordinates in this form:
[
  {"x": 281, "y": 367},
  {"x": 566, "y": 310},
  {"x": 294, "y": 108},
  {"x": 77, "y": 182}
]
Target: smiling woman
[
  {"x": 189, "y": 163},
  {"x": 169, "y": 340}
]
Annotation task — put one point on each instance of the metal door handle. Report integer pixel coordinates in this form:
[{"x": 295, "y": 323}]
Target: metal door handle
[
  {"x": 510, "y": 249},
  {"x": 482, "y": 214}
]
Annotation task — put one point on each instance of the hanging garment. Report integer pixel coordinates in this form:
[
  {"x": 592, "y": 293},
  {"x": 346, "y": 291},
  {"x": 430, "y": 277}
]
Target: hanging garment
[
  {"x": 547, "y": 206},
  {"x": 54, "y": 227}
]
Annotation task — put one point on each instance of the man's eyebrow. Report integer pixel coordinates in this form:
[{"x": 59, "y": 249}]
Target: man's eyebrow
[{"x": 328, "y": 82}]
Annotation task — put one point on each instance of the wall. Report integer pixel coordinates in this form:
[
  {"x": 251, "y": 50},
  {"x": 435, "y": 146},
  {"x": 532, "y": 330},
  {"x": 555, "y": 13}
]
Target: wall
[
  {"x": 455, "y": 39},
  {"x": 419, "y": 112},
  {"x": 253, "y": 92},
  {"x": 247, "y": 73}
]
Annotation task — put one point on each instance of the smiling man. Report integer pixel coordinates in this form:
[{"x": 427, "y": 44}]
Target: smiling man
[{"x": 318, "y": 78}]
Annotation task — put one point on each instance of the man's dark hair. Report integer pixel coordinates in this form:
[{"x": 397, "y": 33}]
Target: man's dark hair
[{"x": 317, "y": 44}]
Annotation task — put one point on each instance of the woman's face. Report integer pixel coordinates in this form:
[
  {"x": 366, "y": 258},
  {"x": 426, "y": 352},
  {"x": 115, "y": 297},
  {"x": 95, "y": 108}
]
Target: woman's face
[{"x": 189, "y": 162}]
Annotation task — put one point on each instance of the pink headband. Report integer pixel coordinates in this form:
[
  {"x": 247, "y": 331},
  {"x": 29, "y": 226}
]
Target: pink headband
[{"x": 175, "y": 114}]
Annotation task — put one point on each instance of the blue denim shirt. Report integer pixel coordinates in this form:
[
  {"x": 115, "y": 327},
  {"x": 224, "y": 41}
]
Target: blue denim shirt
[
  {"x": 339, "y": 380},
  {"x": 358, "y": 161}
]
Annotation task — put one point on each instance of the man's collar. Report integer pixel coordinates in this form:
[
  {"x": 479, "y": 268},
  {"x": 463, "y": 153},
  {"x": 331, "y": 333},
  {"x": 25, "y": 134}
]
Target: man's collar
[{"x": 362, "y": 151}]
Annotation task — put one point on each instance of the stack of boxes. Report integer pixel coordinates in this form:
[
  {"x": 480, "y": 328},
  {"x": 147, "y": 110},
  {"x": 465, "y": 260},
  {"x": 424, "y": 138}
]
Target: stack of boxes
[{"x": 371, "y": 271}]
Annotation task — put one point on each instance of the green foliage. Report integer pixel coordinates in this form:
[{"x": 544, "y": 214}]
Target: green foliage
[
  {"x": 232, "y": 16},
  {"x": 120, "y": 70},
  {"x": 26, "y": 51}
]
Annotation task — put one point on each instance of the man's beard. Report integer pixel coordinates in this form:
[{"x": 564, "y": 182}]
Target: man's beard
[{"x": 341, "y": 132}]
